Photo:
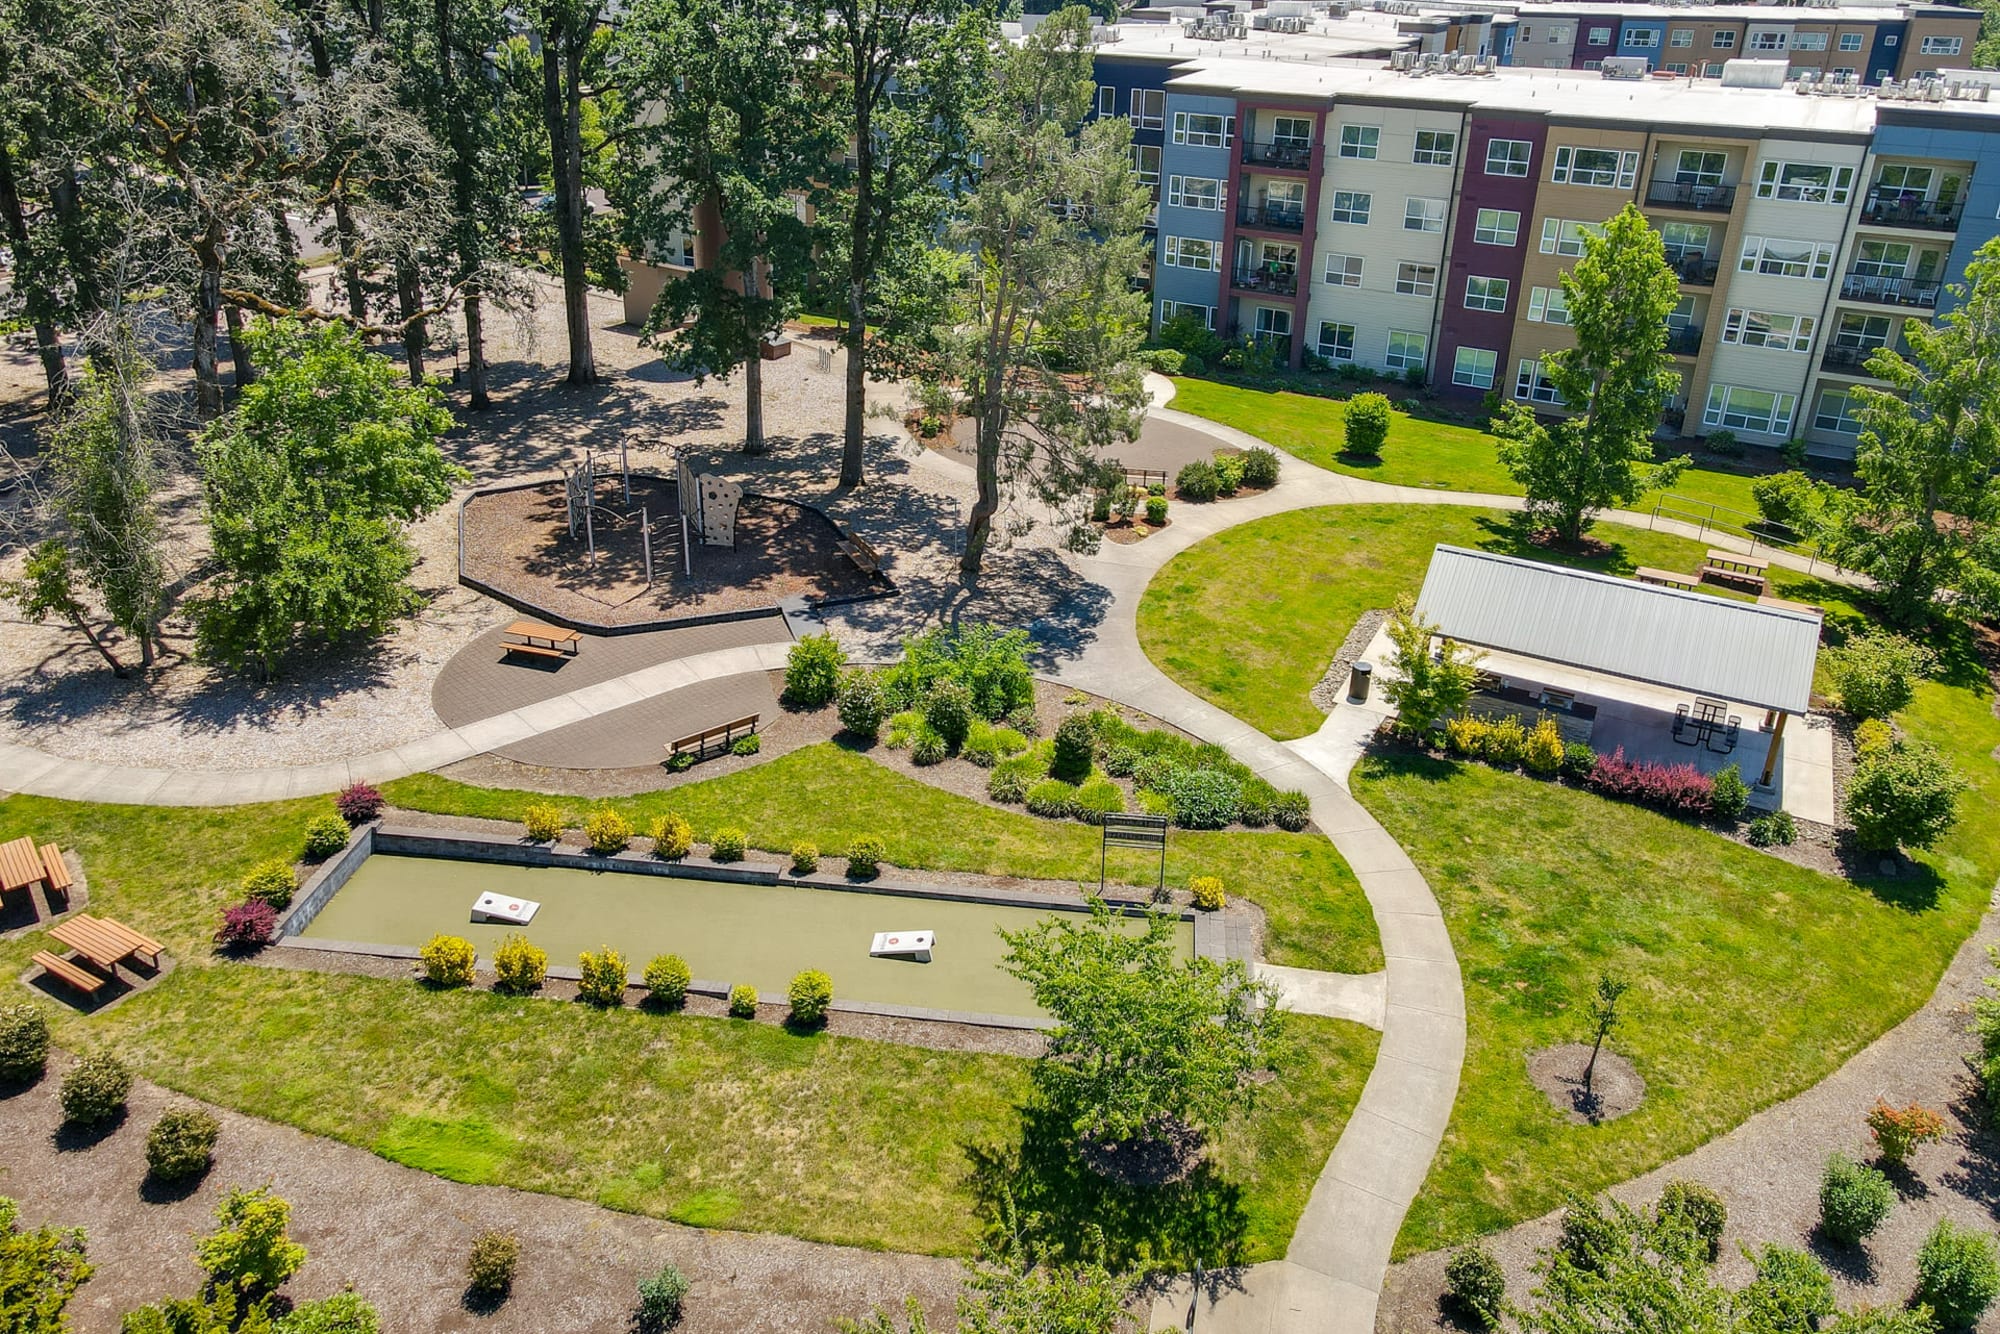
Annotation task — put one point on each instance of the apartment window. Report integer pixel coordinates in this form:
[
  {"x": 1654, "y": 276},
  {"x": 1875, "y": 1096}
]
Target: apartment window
[
  {"x": 1595, "y": 166},
  {"x": 1891, "y": 40},
  {"x": 1496, "y": 226},
  {"x": 1711, "y": 70},
  {"x": 1882, "y": 259},
  {"x": 1724, "y": 39},
  {"x": 1203, "y": 192},
  {"x": 1881, "y": 74},
  {"x": 1193, "y": 252},
  {"x": 1685, "y": 240},
  {"x": 1850, "y": 41},
  {"x": 1861, "y": 331},
  {"x": 1805, "y": 182},
  {"x": 1675, "y": 68},
  {"x": 1350, "y": 206},
  {"x": 1435, "y": 148},
  {"x": 1767, "y": 41},
  {"x": 1593, "y": 64},
  {"x": 1488, "y": 294},
  {"x": 1901, "y": 180},
  {"x": 1563, "y": 236},
  {"x": 1423, "y": 215},
  {"x": 1508, "y": 157},
  {"x": 1941, "y": 46},
  {"x": 1414, "y": 279},
  {"x": 1531, "y": 383},
  {"x": 1174, "y": 310},
  {"x": 1757, "y": 328},
  {"x": 1107, "y": 100},
  {"x": 1473, "y": 367},
  {"x": 1343, "y": 271},
  {"x": 1836, "y": 412},
  {"x": 1146, "y": 162},
  {"x": 1842, "y": 71},
  {"x": 1272, "y": 322},
  {"x": 1559, "y": 33},
  {"x": 1149, "y": 108},
  {"x": 1808, "y": 41},
  {"x": 1292, "y": 131},
  {"x": 1599, "y": 37},
  {"x": 1696, "y": 167},
  {"x": 1546, "y": 305},
  {"x": 1407, "y": 350},
  {"x": 1681, "y": 37},
  {"x": 1642, "y": 38},
  {"x": 1739, "y": 408},
  {"x": 1785, "y": 259},
  {"x": 1336, "y": 341},
  {"x": 1201, "y": 130},
  {"x": 1360, "y": 141},
  {"x": 1682, "y": 315}
]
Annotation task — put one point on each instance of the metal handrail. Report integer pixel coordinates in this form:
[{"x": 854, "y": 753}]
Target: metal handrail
[{"x": 1707, "y": 517}]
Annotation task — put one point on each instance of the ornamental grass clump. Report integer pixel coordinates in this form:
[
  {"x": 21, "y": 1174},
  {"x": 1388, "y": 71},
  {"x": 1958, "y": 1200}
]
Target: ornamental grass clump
[
  {"x": 601, "y": 978},
  {"x": 448, "y": 961},
  {"x": 181, "y": 1144},
  {"x": 1052, "y": 798},
  {"x": 1098, "y": 798}
]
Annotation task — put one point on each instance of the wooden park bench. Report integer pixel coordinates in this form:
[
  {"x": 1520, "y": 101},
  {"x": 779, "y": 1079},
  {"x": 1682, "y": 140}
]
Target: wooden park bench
[
  {"x": 1786, "y": 604},
  {"x": 714, "y": 741},
  {"x": 1145, "y": 479},
  {"x": 67, "y": 972},
  {"x": 1646, "y": 574},
  {"x": 1729, "y": 567},
  {"x": 857, "y": 549},
  {"x": 540, "y": 641},
  {"x": 55, "y": 871}
]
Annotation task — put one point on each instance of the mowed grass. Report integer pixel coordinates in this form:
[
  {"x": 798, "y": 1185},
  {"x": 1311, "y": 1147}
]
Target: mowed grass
[
  {"x": 828, "y": 795},
  {"x": 1249, "y": 618},
  {"x": 706, "y": 1121},
  {"x": 1752, "y": 979},
  {"x": 1442, "y": 455}
]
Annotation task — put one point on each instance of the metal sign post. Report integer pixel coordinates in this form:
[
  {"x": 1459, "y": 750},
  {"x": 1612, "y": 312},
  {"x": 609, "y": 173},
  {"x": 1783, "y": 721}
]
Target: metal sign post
[
  {"x": 646, "y": 537},
  {"x": 1133, "y": 831}
]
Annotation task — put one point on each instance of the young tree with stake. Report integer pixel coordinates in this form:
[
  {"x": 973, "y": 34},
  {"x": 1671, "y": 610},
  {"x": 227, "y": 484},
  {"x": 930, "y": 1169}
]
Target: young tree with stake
[{"x": 1603, "y": 1018}]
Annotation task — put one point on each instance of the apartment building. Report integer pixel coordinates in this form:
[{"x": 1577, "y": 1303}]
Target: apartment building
[{"x": 1421, "y": 224}]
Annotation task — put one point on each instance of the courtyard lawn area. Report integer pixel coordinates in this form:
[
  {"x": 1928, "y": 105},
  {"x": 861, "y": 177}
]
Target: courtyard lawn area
[
  {"x": 1249, "y": 619},
  {"x": 706, "y": 1121},
  {"x": 1442, "y": 455},
  {"x": 826, "y": 794}
]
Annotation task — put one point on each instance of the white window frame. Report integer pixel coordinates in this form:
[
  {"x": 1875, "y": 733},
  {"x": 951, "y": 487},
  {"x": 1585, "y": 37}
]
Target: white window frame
[
  {"x": 1441, "y": 150},
  {"x": 1845, "y": 334},
  {"x": 1679, "y": 67},
  {"x": 1780, "y": 180},
  {"x": 1849, "y": 41},
  {"x": 1937, "y": 44},
  {"x": 1334, "y": 351},
  {"x": 1423, "y": 215},
  {"x": 1505, "y": 223},
  {"x": 1716, "y": 43},
  {"x": 1509, "y": 166},
  {"x": 1884, "y": 259},
  {"x": 1720, "y": 412},
  {"x": 1264, "y": 320},
  {"x": 1359, "y": 203},
  {"x": 1762, "y": 328},
  {"x": 1346, "y": 274},
  {"x": 1404, "y": 359},
  {"x": 1361, "y": 142},
  {"x": 1681, "y": 37},
  {"x": 1141, "y": 155},
  {"x": 1764, "y": 43},
  {"x": 1220, "y": 137},
  {"x": 1478, "y": 375},
  {"x": 1808, "y": 41},
  {"x": 1492, "y": 293},
  {"x": 1597, "y": 37},
  {"x": 1531, "y": 384},
  {"x": 1843, "y": 421},
  {"x": 1816, "y": 263},
  {"x": 1643, "y": 39},
  {"x": 1622, "y": 171},
  {"x": 1548, "y": 305},
  {"x": 1107, "y": 100},
  {"x": 1178, "y": 195},
  {"x": 1171, "y": 310},
  {"x": 1173, "y": 256},
  {"x": 1564, "y": 236},
  {"x": 1700, "y": 173},
  {"x": 1411, "y": 279},
  {"x": 1149, "y": 108}
]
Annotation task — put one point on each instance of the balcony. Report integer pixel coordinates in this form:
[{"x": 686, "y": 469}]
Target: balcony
[
  {"x": 1890, "y": 208},
  {"x": 1696, "y": 198},
  {"x": 1269, "y": 282},
  {"x": 1696, "y": 270},
  {"x": 1272, "y": 217},
  {"x": 1683, "y": 340},
  {"x": 1848, "y": 360},
  {"x": 1890, "y": 291},
  {"x": 1284, "y": 154}
]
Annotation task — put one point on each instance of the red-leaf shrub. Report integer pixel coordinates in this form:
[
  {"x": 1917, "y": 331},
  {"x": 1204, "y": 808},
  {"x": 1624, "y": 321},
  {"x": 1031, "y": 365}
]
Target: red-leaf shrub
[
  {"x": 248, "y": 925},
  {"x": 1680, "y": 789},
  {"x": 358, "y": 803}
]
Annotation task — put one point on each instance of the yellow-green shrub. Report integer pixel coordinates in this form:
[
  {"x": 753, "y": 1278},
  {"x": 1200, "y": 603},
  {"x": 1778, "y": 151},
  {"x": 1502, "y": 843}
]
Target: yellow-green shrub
[
  {"x": 743, "y": 1001},
  {"x": 448, "y": 961},
  {"x": 1543, "y": 751},
  {"x": 1207, "y": 891},
  {"x": 1872, "y": 736},
  {"x": 607, "y": 831},
  {"x": 672, "y": 837},
  {"x": 1506, "y": 742},
  {"x": 811, "y": 996},
  {"x": 519, "y": 965},
  {"x": 602, "y": 977},
  {"x": 544, "y": 821},
  {"x": 667, "y": 979},
  {"x": 1466, "y": 735}
]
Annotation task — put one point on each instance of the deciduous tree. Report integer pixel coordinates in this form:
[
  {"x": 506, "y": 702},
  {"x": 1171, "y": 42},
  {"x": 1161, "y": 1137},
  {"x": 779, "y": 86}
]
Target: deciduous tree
[{"x": 1427, "y": 688}]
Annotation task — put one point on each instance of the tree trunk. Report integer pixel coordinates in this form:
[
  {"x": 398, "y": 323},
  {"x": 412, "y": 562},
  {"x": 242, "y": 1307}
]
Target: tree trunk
[
  {"x": 416, "y": 331},
  {"x": 347, "y": 236},
  {"x": 207, "y": 307},
  {"x": 986, "y": 469},
  {"x": 465, "y": 203},
  {"x": 860, "y": 264},
  {"x": 75, "y": 615},
  {"x": 239, "y": 355},
  {"x": 475, "y": 349},
  {"x": 753, "y": 402},
  {"x": 1590, "y": 1068},
  {"x": 562, "y": 110},
  {"x": 48, "y": 342}
]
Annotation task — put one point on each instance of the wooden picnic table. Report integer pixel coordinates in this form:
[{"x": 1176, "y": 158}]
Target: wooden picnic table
[
  {"x": 20, "y": 864},
  {"x": 1734, "y": 560},
  {"x": 542, "y": 641},
  {"x": 104, "y": 942}
]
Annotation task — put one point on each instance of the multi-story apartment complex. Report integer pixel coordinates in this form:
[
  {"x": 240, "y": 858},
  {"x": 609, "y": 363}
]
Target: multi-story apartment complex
[{"x": 1418, "y": 224}]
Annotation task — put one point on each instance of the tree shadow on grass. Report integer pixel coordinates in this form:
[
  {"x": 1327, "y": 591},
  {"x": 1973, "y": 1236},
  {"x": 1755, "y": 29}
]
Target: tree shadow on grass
[
  {"x": 1390, "y": 759},
  {"x": 1062, "y": 1204}
]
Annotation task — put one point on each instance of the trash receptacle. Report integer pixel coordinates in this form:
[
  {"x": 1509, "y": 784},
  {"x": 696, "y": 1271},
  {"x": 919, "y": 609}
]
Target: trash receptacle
[{"x": 1358, "y": 678}]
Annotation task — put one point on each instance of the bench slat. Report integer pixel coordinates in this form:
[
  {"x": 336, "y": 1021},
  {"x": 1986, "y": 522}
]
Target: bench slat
[
  {"x": 536, "y": 649},
  {"x": 56, "y": 872},
  {"x": 87, "y": 982}
]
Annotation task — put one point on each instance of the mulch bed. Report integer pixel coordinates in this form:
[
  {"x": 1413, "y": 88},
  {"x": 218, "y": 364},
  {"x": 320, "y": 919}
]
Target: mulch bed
[
  {"x": 519, "y": 543},
  {"x": 1616, "y": 1088}
]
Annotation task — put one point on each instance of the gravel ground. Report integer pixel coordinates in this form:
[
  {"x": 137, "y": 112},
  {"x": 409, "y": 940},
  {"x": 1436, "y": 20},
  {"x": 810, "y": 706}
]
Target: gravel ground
[
  {"x": 1332, "y": 688},
  {"x": 400, "y": 1236},
  {"x": 1767, "y": 1169}
]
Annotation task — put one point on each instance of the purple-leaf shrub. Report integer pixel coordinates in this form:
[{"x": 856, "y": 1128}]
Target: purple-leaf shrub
[
  {"x": 248, "y": 925},
  {"x": 358, "y": 803},
  {"x": 1680, "y": 789}
]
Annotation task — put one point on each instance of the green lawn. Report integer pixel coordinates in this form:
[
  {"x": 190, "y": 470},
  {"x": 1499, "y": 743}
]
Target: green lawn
[
  {"x": 826, "y": 795},
  {"x": 1249, "y": 618},
  {"x": 705, "y": 1121},
  {"x": 1751, "y": 979},
  {"x": 1443, "y": 455}
]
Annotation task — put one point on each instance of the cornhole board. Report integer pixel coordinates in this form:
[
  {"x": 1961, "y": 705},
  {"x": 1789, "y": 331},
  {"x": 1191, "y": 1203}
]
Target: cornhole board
[
  {"x": 903, "y": 945},
  {"x": 499, "y": 908}
]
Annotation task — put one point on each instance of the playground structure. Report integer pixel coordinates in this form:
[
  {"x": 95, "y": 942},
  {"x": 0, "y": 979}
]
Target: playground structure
[{"x": 707, "y": 506}]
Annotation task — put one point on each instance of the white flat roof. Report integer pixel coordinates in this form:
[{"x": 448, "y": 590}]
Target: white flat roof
[{"x": 1742, "y": 652}]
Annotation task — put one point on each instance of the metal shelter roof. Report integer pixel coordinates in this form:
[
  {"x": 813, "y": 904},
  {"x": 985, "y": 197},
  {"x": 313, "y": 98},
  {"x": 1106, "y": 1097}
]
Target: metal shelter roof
[{"x": 1738, "y": 651}]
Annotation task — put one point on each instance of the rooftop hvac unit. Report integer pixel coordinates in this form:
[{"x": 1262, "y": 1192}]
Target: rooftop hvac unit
[
  {"x": 1625, "y": 67},
  {"x": 1401, "y": 61},
  {"x": 1754, "y": 73}
]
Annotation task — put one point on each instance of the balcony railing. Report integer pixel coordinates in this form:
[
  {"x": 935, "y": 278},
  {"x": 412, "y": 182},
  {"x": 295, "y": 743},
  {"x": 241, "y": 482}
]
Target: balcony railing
[
  {"x": 1889, "y": 291},
  {"x": 1892, "y": 208},
  {"x": 1273, "y": 217},
  {"x": 1683, "y": 340},
  {"x": 1275, "y": 282},
  {"x": 1696, "y": 270},
  {"x": 1288, "y": 154},
  {"x": 1852, "y": 360},
  {"x": 1701, "y": 198}
]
